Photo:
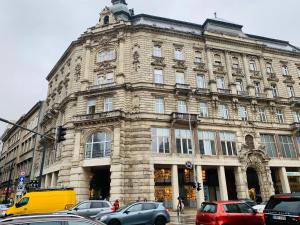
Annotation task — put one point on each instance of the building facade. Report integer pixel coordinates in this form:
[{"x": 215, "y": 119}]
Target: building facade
[
  {"x": 18, "y": 152},
  {"x": 141, "y": 95}
]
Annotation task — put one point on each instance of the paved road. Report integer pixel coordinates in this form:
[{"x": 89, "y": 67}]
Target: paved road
[{"x": 183, "y": 220}]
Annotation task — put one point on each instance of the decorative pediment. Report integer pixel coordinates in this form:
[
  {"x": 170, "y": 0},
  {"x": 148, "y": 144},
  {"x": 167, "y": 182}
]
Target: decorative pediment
[
  {"x": 179, "y": 64},
  {"x": 200, "y": 67},
  {"x": 105, "y": 66}
]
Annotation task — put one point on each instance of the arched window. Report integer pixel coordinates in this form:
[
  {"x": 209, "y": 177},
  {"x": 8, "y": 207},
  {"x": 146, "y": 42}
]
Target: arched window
[
  {"x": 106, "y": 20},
  {"x": 249, "y": 141},
  {"x": 98, "y": 145}
]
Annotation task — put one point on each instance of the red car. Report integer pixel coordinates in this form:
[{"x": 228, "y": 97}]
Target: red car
[{"x": 228, "y": 213}]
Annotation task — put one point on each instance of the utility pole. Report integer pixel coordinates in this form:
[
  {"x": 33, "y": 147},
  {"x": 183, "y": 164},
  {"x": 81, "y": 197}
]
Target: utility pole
[
  {"x": 43, "y": 147},
  {"x": 9, "y": 179}
]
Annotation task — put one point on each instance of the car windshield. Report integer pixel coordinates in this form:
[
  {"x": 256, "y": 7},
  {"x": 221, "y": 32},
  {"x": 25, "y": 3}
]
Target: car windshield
[
  {"x": 122, "y": 207},
  {"x": 208, "y": 207},
  {"x": 289, "y": 205}
]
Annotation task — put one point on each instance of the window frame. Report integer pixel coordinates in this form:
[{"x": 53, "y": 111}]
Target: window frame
[
  {"x": 280, "y": 116},
  {"x": 105, "y": 144},
  {"x": 158, "y": 135},
  {"x": 91, "y": 106},
  {"x": 285, "y": 70},
  {"x": 106, "y": 55},
  {"x": 159, "y": 105},
  {"x": 243, "y": 113},
  {"x": 252, "y": 65},
  {"x": 262, "y": 115},
  {"x": 180, "y": 77},
  {"x": 228, "y": 142},
  {"x": 181, "y": 104},
  {"x": 157, "y": 51},
  {"x": 268, "y": 140},
  {"x": 178, "y": 54},
  {"x": 200, "y": 81},
  {"x": 203, "y": 109},
  {"x": 275, "y": 92},
  {"x": 108, "y": 104},
  {"x": 289, "y": 145},
  {"x": 291, "y": 91},
  {"x": 158, "y": 76},
  {"x": 224, "y": 111},
  {"x": 207, "y": 142},
  {"x": 185, "y": 138}
]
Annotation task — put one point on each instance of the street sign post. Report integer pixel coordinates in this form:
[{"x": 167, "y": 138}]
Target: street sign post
[{"x": 189, "y": 165}]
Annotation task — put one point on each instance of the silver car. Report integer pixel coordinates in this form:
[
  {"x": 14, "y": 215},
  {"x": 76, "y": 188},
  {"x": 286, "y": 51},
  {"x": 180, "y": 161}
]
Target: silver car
[
  {"x": 91, "y": 208},
  {"x": 150, "y": 213}
]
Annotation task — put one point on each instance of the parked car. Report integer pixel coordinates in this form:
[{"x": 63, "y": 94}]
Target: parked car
[
  {"x": 283, "y": 209},
  {"x": 48, "y": 219},
  {"x": 152, "y": 213},
  {"x": 91, "y": 208},
  {"x": 249, "y": 202},
  {"x": 3, "y": 209},
  {"x": 228, "y": 212},
  {"x": 260, "y": 207}
]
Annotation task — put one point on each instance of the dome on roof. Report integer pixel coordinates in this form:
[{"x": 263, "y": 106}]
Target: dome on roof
[{"x": 119, "y": 8}]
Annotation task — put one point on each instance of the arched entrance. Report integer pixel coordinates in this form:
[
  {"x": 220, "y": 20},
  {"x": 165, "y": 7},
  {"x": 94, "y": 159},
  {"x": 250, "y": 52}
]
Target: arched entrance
[{"x": 253, "y": 184}]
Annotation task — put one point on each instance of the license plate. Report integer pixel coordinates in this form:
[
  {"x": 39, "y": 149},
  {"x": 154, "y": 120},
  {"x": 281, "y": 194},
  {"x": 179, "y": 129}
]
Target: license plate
[{"x": 279, "y": 217}]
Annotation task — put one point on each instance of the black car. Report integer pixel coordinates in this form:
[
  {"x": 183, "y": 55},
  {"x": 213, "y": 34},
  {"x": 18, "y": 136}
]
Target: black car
[
  {"x": 49, "y": 219},
  {"x": 283, "y": 209}
]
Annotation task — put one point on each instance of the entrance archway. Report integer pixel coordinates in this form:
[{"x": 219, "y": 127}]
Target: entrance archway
[
  {"x": 253, "y": 184},
  {"x": 100, "y": 184}
]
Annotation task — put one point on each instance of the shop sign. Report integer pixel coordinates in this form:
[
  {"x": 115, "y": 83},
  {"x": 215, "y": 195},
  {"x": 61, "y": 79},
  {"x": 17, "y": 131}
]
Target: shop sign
[{"x": 293, "y": 174}]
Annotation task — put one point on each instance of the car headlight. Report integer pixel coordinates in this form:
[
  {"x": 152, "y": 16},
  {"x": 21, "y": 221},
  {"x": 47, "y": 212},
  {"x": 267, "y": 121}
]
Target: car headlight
[{"x": 103, "y": 218}]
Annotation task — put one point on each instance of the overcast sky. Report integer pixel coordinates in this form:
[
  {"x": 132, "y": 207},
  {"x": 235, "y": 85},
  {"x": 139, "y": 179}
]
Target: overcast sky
[{"x": 35, "y": 33}]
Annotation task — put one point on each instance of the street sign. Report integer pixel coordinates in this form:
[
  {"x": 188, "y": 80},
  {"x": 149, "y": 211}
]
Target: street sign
[
  {"x": 21, "y": 179},
  {"x": 188, "y": 164},
  {"x": 22, "y": 173}
]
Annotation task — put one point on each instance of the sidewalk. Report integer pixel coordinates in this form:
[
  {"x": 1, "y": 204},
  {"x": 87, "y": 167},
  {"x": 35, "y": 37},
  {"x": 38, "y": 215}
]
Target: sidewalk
[{"x": 186, "y": 218}]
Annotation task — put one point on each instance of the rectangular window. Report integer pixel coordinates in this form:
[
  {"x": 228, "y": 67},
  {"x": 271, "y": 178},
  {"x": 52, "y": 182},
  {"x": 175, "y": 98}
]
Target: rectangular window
[
  {"x": 105, "y": 79},
  {"x": 223, "y": 112},
  {"x": 243, "y": 113},
  {"x": 257, "y": 88},
  {"x": 178, "y": 54},
  {"x": 239, "y": 86},
  {"x": 159, "y": 105},
  {"x": 203, "y": 109},
  {"x": 91, "y": 106},
  {"x": 157, "y": 51},
  {"x": 296, "y": 116},
  {"x": 274, "y": 90},
  {"x": 285, "y": 70},
  {"x": 252, "y": 66},
  {"x": 207, "y": 143},
  {"x": 180, "y": 78},
  {"x": 218, "y": 61},
  {"x": 268, "y": 140},
  {"x": 200, "y": 81},
  {"x": 262, "y": 115},
  {"x": 235, "y": 63},
  {"x": 269, "y": 68},
  {"x": 287, "y": 147},
  {"x": 108, "y": 104},
  {"x": 291, "y": 92},
  {"x": 181, "y": 106},
  {"x": 160, "y": 140},
  {"x": 228, "y": 143},
  {"x": 298, "y": 71},
  {"x": 220, "y": 83},
  {"x": 158, "y": 76},
  {"x": 280, "y": 116},
  {"x": 198, "y": 58},
  {"x": 298, "y": 143},
  {"x": 184, "y": 141}
]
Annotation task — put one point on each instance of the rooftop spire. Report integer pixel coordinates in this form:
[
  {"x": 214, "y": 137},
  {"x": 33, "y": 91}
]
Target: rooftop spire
[{"x": 114, "y": 2}]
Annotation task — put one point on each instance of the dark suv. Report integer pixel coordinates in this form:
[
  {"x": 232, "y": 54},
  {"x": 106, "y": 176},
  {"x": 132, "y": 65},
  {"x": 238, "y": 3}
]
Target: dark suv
[{"x": 283, "y": 209}]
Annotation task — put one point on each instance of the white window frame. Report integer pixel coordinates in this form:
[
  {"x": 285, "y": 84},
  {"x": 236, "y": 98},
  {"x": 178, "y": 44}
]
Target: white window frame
[
  {"x": 178, "y": 54},
  {"x": 269, "y": 68},
  {"x": 257, "y": 87},
  {"x": 203, "y": 109},
  {"x": 252, "y": 66},
  {"x": 243, "y": 113},
  {"x": 274, "y": 90},
  {"x": 91, "y": 103},
  {"x": 207, "y": 139},
  {"x": 229, "y": 139},
  {"x": 180, "y": 77},
  {"x": 157, "y": 51},
  {"x": 159, "y": 105},
  {"x": 201, "y": 81},
  {"x": 239, "y": 86},
  {"x": 160, "y": 136},
  {"x": 106, "y": 55},
  {"x": 223, "y": 111},
  {"x": 280, "y": 116},
  {"x": 181, "y": 106},
  {"x": 108, "y": 104},
  {"x": 185, "y": 138},
  {"x": 296, "y": 116},
  {"x": 106, "y": 144},
  {"x": 262, "y": 115},
  {"x": 285, "y": 70},
  {"x": 158, "y": 76},
  {"x": 221, "y": 83},
  {"x": 291, "y": 92}
]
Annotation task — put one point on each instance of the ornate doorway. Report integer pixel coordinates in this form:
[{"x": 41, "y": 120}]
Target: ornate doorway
[{"x": 253, "y": 184}]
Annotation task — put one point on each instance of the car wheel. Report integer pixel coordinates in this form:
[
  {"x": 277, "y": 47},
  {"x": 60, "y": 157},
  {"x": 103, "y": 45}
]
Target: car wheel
[
  {"x": 114, "y": 222},
  {"x": 160, "y": 221}
]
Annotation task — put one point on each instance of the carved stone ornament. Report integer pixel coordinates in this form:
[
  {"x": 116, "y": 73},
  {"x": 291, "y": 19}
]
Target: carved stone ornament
[
  {"x": 104, "y": 66},
  {"x": 136, "y": 104},
  {"x": 289, "y": 80},
  {"x": 179, "y": 64},
  {"x": 273, "y": 77},
  {"x": 200, "y": 67},
  {"x": 77, "y": 72},
  {"x": 219, "y": 69},
  {"x": 158, "y": 61},
  {"x": 136, "y": 60}
]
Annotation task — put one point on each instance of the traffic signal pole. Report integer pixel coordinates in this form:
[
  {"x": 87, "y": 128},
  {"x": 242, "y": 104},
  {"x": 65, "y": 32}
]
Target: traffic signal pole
[{"x": 43, "y": 147}]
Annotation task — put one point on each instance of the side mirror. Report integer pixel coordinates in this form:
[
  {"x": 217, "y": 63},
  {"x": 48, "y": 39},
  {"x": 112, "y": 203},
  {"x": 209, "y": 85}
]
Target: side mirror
[
  {"x": 75, "y": 208},
  {"x": 126, "y": 212}
]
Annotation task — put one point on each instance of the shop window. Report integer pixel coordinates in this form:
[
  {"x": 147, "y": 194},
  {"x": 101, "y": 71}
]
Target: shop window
[
  {"x": 163, "y": 186},
  {"x": 268, "y": 141},
  {"x": 98, "y": 145},
  {"x": 287, "y": 147},
  {"x": 184, "y": 141}
]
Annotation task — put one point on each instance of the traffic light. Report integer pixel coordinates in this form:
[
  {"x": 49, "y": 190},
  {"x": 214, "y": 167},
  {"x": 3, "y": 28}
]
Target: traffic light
[
  {"x": 199, "y": 188},
  {"x": 60, "y": 134}
]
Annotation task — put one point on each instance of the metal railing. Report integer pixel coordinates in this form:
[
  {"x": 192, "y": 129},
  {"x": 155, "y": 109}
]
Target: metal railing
[
  {"x": 242, "y": 93},
  {"x": 261, "y": 95},
  {"x": 182, "y": 86},
  {"x": 99, "y": 116},
  {"x": 185, "y": 116},
  {"x": 101, "y": 86},
  {"x": 224, "y": 91}
]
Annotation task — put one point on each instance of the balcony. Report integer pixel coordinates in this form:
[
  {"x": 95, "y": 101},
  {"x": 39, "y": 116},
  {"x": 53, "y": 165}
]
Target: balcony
[
  {"x": 182, "y": 89},
  {"x": 237, "y": 72},
  {"x": 261, "y": 95},
  {"x": 242, "y": 93},
  {"x": 224, "y": 91},
  {"x": 272, "y": 77},
  {"x": 200, "y": 67},
  {"x": 200, "y": 91},
  {"x": 184, "y": 118},
  {"x": 295, "y": 126},
  {"x": 99, "y": 117},
  {"x": 101, "y": 86},
  {"x": 255, "y": 74},
  {"x": 295, "y": 101},
  {"x": 219, "y": 69}
]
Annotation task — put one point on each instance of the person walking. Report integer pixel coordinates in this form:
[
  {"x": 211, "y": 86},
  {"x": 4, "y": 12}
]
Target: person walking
[{"x": 116, "y": 205}]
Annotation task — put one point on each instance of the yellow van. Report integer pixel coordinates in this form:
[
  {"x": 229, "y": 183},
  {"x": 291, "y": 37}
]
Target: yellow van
[{"x": 44, "y": 201}]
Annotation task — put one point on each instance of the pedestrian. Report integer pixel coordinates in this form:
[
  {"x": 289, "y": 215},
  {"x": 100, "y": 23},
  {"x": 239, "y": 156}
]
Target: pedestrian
[
  {"x": 116, "y": 205},
  {"x": 179, "y": 205}
]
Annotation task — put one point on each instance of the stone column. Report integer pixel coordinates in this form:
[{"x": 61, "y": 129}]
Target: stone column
[
  {"x": 47, "y": 180},
  {"x": 250, "y": 86},
  {"x": 284, "y": 180},
  {"x": 232, "y": 84},
  {"x": 173, "y": 141},
  {"x": 53, "y": 180},
  {"x": 222, "y": 183},
  {"x": 241, "y": 183},
  {"x": 175, "y": 186},
  {"x": 263, "y": 71},
  {"x": 200, "y": 194},
  {"x": 211, "y": 75}
]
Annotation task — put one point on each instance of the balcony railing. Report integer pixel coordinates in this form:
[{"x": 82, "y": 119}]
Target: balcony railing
[
  {"x": 219, "y": 69},
  {"x": 182, "y": 88},
  {"x": 184, "y": 117},
  {"x": 224, "y": 91},
  {"x": 101, "y": 86},
  {"x": 295, "y": 126},
  {"x": 237, "y": 71},
  {"x": 242, "y": 93},
  {"x": 202, "y": 91},
  {"x": 261, "y": 95},
  {"x": 100, "y": 116}
]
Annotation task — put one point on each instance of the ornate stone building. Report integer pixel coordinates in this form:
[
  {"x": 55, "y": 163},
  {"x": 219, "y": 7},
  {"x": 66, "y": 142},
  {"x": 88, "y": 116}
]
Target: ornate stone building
[{"x": 141, "y": 95}]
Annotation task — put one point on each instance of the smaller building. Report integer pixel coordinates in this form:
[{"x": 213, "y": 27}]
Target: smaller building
[{"x": 16, "y": 158}]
